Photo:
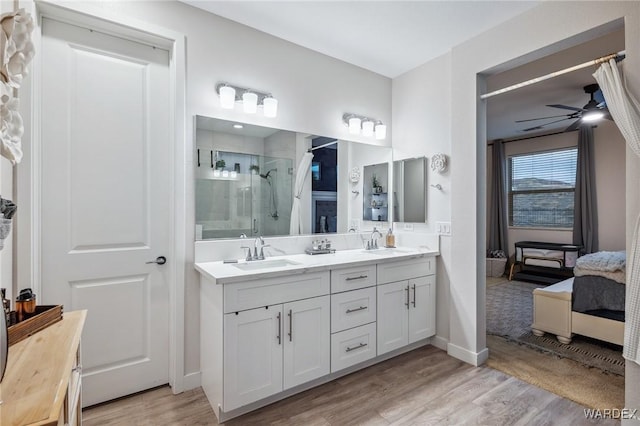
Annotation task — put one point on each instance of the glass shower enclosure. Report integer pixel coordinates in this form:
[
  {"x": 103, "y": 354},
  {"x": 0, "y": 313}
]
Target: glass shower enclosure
[{"x": 243, "y": 194}]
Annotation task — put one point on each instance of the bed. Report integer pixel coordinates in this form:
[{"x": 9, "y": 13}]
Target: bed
[
  {"x": 543, "y": 262},
  {"x": 590, "y": 304}
]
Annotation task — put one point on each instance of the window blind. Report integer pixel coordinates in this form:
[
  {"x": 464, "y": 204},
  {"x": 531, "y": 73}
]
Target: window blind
[{"x": 541, "y": 188}]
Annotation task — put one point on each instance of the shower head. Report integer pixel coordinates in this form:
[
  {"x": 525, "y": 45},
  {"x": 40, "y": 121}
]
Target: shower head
[{"x": 266, "y": 175}]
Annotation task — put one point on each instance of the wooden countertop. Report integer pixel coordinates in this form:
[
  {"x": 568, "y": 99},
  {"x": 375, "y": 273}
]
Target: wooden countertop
[{"x": 38, "y": 372}]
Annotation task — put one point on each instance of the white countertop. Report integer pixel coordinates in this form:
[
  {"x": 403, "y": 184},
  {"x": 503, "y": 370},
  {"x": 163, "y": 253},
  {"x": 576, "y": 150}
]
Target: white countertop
[{"x": 224, "y": 273}]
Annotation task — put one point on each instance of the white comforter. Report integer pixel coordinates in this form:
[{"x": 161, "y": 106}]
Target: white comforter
[{"x": 608, "y": 264}]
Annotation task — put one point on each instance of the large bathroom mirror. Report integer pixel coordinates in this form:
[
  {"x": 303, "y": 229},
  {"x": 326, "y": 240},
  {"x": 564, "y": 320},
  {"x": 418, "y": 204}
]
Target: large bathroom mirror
[
  {"x": 246, "y": 177},
  {"x": 410, "y": 190}
]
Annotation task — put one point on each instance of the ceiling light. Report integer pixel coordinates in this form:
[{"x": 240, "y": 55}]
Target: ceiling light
[
  {"x": 250, "y": 102},
  {"x": 251, "y": 99},
  {"x": 270, "y": 106},
  {"x": 381, "y": 131},
  {"x": 227, "y": 97},
  {"x": 238, "y": 126},
  {"x": 593, "y": 115},
  {"x": 354, "y": 125},
  {"x": 367, "y": 128}
]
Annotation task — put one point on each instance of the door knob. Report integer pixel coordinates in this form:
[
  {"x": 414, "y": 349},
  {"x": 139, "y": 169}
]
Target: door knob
[{"x": 160, "y": 260}]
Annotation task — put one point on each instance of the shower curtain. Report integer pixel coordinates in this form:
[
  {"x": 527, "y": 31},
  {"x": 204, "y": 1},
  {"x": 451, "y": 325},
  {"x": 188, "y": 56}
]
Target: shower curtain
[
  {"x": 625, "y": 110},
  {"x": 295, "y": 227}
]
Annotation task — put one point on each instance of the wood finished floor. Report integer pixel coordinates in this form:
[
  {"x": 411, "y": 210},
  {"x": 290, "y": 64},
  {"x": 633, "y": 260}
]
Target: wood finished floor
[{"x": 423, "y": 387}]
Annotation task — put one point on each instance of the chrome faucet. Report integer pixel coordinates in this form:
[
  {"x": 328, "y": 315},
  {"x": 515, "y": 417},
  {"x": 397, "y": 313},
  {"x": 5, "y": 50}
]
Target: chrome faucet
[
  {"x": 260, "y": 240},
  {"x": 373, "y": 243}
]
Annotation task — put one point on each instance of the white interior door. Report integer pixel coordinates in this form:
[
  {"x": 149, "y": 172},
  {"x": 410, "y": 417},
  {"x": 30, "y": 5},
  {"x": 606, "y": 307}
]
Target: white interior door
[{"x": 106, "y": 190}]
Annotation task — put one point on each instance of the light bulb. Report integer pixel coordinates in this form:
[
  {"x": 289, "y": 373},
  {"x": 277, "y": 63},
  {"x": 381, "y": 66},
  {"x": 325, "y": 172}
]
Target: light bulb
[
  {"x": 250, "y": 102},
  {"x": 381, "y": 131},
  {"x": 227, "y": 97},
  {"x": 354, "y": 125},
  {"x": 591, "y": 116},
  {"x": 367, "y": 128},
  {"x": 270, "y": 107}
]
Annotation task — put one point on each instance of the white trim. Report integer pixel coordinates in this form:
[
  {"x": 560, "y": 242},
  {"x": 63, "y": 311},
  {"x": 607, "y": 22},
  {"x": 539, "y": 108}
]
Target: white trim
[
  {"x": 192, "y": 381},
  {"x": 440, "y": 342},
  {"x": 473, "y": 358},
  {"x": 87, "y": 14}
]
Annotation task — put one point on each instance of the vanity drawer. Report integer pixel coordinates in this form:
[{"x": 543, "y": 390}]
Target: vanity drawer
[
  {"x": 353, "y": 346},
  {"x": 270, "y": 291},
  {"x": 406, "y": 269},
  {"x": 352, "y": 278},
  {"x": 353, "y": 308}
]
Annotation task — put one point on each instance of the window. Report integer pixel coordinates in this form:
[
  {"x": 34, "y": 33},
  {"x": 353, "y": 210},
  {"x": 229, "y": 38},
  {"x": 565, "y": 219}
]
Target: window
[{"x": 541, "y": 189}]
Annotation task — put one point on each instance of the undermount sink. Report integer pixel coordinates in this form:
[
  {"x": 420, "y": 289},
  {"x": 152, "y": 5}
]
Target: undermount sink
[
  {"x": 265, "y": 264},
  {"x": 384, "y": 250}
]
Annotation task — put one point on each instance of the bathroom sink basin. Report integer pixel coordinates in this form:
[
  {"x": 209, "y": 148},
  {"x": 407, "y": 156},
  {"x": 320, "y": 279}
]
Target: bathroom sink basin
[
  {"x": 265, "y": 264},
  {"x": 385, "y": 251}
]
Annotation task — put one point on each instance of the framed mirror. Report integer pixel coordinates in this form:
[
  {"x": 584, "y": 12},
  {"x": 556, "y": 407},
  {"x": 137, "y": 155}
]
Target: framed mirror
[
  {"x": 375, "y": 192},
  {"x": 245, "y": 179},
  {"x": 410, "y": 190}
]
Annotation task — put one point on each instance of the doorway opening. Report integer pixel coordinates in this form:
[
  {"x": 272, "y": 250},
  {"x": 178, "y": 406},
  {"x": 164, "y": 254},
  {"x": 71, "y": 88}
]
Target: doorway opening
[{"x": 531, "y": 124}]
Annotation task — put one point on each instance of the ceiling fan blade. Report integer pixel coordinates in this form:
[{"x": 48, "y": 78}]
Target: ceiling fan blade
[
  {"x": 565, "y": 107},
  {"x": 542, "y": 118},
  {"x": 545, "y": 124},
  {"x": 573, "y": 126}
]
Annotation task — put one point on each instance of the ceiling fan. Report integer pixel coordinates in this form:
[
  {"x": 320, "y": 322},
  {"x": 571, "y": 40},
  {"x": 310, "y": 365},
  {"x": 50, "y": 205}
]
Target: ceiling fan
[{"x": 594, "y": 110}]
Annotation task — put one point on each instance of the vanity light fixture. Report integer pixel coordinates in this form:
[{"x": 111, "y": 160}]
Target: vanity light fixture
[
  {"x": 365, "y": 125},
  {"x": 270, "y": 106},
  {"x": 381, "y": 130},
  {"x": 227, "y": 96},
  {"x": 250, "y": 102},
  {"x": 250, "y": 99},
  {"x": 354, "y": 125},
  {"x": 238, "y": 126},
  {"x": 367, "y": 128}
]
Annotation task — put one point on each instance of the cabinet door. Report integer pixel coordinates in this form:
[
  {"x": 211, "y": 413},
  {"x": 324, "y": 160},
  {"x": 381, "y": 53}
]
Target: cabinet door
[
  {"x": 252, "y": 355},
  {"x": 422, "y": 318},
  {"x": 393, "y": 318},
  {"x": 307, "y": 352}
]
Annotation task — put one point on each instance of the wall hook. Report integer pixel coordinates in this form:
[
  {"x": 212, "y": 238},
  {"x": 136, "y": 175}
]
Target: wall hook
[
  {"x": 355, "y": 192},
  {"x": 437, "y": 186}
]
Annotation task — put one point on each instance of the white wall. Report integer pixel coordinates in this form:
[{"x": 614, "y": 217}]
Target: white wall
[
  {"x": 422, "y": 127},
  {"x": 609, "y": 154},
  {"x": 424, "y": 119},
  {"x": 313, "y": 90}
]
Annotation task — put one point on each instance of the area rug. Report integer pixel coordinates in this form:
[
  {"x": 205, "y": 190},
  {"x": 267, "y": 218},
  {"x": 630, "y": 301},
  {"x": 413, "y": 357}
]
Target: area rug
[
  {"x": 510, "y": 314},
  {"x": 590, "y": 387}
]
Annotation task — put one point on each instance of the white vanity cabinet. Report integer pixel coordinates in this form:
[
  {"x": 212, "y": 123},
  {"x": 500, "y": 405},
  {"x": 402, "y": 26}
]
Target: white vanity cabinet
[
  {"x": 266, "y": 336},
  {"x": 268, "y": 350},
  {"x": 263, "y": 336},
  {"x": 406, "y": 306},
  {"x": 252, "y": 355},
  {"x": 353, "y": 316}
]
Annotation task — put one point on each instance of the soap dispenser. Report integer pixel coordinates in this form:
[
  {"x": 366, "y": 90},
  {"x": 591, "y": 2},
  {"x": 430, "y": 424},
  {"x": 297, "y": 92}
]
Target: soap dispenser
[{"x": 390, "y": 239}]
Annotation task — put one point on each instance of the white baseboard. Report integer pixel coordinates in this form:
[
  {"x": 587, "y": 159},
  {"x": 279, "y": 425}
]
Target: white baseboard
[
  {"x": 473, "y": 358},
  {"x": 440, "y": 342},
  {"x": 191, "y": 381}
]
